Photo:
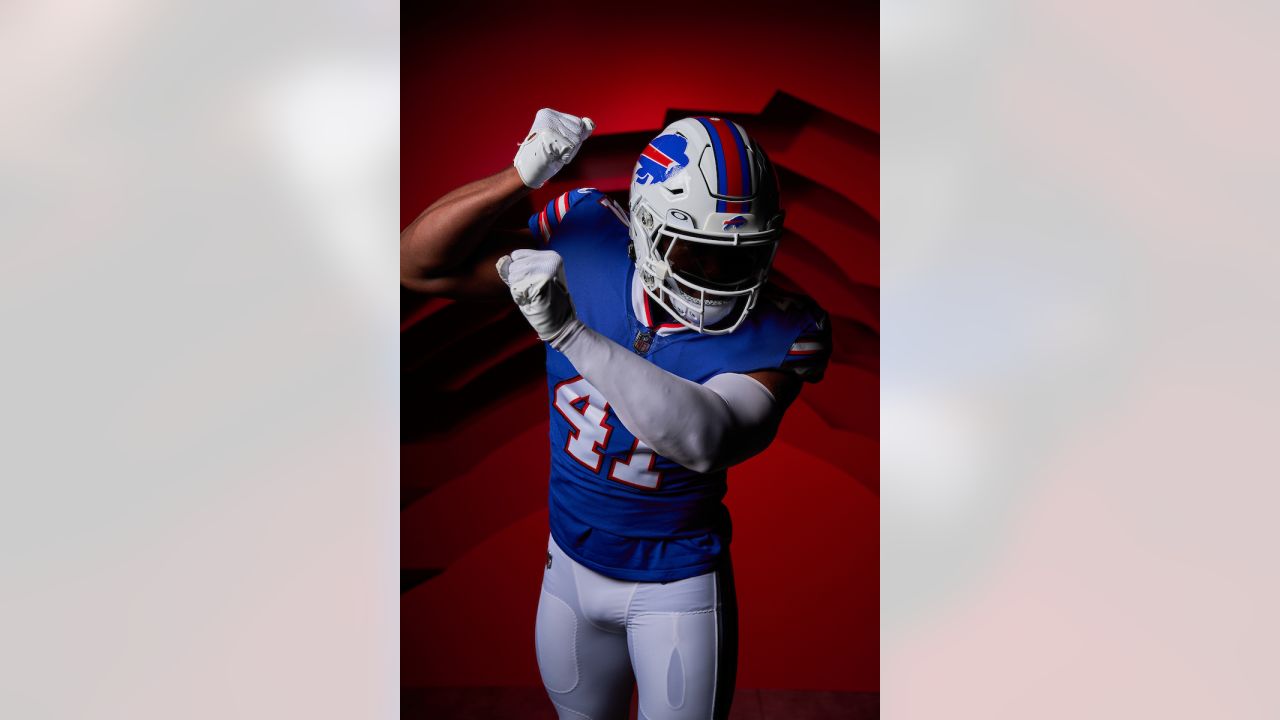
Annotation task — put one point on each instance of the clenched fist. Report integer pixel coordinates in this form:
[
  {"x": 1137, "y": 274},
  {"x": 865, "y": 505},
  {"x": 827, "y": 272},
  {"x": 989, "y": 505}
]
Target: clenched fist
[
  {"x": 550, "y": 144},
  {"x": 536, "y": 280}
]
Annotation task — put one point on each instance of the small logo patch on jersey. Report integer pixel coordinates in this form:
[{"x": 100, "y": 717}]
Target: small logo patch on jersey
[
  {"x": 736, "y": 222},
  {"x": 661, "y": 159},
  {"x": 548, "y": 559},
  {"x": 643, "y": 342}
]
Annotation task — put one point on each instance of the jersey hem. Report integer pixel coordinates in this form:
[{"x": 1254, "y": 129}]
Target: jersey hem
[{"x": 629, "y": 575}]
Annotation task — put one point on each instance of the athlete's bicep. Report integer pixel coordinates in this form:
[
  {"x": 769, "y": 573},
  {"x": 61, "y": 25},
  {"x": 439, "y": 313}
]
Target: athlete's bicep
[
  {"x": 477, "y": 279},
  {"x": 783, "y": 386}
]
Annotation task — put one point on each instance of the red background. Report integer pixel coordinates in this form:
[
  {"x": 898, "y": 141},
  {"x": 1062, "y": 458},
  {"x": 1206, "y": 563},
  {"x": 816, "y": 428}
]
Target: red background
[{"x": 474, "y": 413}]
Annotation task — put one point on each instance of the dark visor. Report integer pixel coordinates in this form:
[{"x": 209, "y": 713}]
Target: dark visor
[{"x": 716, "y": 267}]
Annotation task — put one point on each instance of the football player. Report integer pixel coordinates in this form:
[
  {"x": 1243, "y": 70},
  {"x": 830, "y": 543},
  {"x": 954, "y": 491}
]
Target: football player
[{"x": 670, "y": 358}]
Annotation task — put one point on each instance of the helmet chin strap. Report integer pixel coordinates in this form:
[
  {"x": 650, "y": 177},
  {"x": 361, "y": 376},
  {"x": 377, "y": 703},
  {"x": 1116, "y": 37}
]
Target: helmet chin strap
[{"x": 687, "y": 306}]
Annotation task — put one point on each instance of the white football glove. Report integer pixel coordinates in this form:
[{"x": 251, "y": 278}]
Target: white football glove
[
  {"x": 551, "y": 143},
  {"x": 536, "y": 280}
]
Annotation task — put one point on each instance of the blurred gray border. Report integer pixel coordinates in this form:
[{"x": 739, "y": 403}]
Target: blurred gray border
[
  {"x": 199, "y": 396},
  {"x": 1079, "y": 247}
]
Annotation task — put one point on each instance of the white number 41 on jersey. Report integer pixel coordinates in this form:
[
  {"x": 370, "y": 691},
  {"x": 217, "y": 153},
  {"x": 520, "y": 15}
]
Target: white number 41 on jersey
[{"x": 587, "y": 413}]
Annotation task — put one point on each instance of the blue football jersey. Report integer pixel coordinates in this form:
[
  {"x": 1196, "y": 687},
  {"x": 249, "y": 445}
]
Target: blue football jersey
[{"x": 615, "y": 505}]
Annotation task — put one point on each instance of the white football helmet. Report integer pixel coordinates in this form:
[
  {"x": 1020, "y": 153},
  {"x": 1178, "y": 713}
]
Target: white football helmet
[{"x": 705, "y": 222}]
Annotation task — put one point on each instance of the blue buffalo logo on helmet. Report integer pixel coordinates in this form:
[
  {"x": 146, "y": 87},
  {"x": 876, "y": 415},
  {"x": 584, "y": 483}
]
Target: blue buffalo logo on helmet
[
  {"x": 734, "y": 222},
  {"x": 662, "y": 158}
]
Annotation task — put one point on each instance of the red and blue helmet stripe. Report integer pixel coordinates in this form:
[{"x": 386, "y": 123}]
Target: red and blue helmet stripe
[{"x": 733, "y": 164}]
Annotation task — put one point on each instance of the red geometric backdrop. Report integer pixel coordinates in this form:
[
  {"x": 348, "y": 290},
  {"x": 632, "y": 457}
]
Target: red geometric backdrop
[{"x": 474, "y": 414}]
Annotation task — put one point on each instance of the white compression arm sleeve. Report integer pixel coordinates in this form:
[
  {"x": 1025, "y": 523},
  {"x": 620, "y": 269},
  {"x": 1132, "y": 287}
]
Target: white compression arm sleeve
[{"x": 702, "y": 427}]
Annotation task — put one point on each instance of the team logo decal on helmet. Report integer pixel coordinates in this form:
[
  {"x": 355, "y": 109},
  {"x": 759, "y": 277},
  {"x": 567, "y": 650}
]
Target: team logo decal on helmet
[
  {"x": 661, "y": 159},
  {"x": 705, "y": 222}
]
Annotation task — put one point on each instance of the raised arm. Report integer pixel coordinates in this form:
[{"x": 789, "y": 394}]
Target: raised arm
[
  {"x": 450, "y": 248},
  {"x": 445, "y": 250}
]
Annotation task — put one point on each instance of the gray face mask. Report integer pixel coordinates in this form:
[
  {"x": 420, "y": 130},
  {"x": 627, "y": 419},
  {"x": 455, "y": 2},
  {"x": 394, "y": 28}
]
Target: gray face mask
[{"x": 687, "y": 306}]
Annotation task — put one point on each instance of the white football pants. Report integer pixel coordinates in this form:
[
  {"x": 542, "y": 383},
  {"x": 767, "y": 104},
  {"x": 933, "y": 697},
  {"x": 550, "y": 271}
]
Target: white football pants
[{"x": 677, "y": 642}]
